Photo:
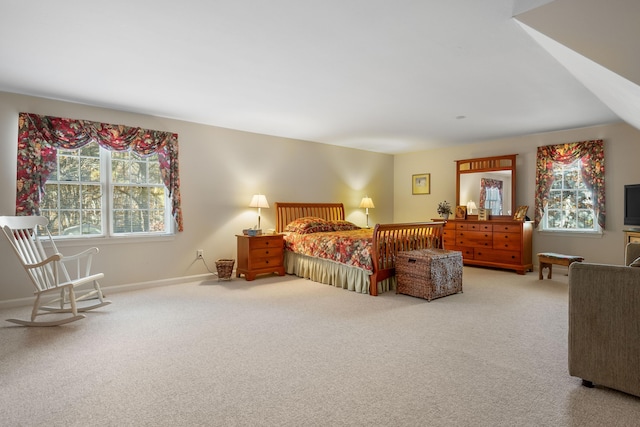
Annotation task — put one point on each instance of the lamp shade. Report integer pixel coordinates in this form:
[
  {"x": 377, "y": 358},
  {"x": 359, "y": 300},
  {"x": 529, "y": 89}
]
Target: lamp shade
[
  {"x": 259, "y": 201},
  {"x": 367, "y": 202}
]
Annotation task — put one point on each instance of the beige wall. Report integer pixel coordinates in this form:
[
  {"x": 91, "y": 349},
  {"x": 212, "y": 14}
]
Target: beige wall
[
  {"x": 220, "y": 169},
  {"x": 622, "y": 151}
]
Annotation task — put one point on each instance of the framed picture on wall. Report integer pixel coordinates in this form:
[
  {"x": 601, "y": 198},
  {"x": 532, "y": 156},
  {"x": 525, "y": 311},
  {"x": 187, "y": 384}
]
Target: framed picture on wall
[{"x": 421, "y": 183}]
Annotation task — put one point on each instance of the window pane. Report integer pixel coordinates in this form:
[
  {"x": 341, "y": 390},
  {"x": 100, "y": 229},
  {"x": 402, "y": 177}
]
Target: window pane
[
  {"x": 70, "y": 196},
  {"x": 90, "y": 150},
  {"x": 50, "y": 199},
  {"x": 555, "y": 200},
  {"x": 155, "y": 177},
  {"x": 69, "y": 168},
  {"x": 138, "y": 173},
  {"x": 90, "y": 169},
  {"x": 585, "y": 219},
  {"x": 156, "y": 221},
  {"x": 121, "y": 221},
  {"x": 91, "y": 197},
  {"x": 119, "y": 171},
  {"x": 554, "y": 218},
  {"x": 54, "y": 224},
  {"x": 584, "y": 200},
  {"x": 156, "y": 200}
]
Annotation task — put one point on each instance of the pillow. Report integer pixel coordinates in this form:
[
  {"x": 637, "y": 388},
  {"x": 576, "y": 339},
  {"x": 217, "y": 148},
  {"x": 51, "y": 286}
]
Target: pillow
[
  {"x": 308, "y": 225},
  {"x": 635, "y": 263},
  {"x": 342, "y": 225}
]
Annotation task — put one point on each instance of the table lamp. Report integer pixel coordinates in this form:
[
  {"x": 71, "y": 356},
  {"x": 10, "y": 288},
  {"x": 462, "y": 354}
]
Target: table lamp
[
  {"x": 259, "y": 201},
  {"x": 367, "y": 203}
]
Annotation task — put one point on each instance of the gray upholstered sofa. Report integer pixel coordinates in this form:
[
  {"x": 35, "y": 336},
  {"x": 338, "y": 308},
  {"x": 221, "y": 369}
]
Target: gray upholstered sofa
[{"x": 604, "y": 323}]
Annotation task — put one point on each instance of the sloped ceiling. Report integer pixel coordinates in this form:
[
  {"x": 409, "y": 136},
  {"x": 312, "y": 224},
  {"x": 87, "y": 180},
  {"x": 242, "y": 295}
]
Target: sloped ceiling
[
  {"x": 599, "y": 48},
  {"x": 379, "y": 75}
]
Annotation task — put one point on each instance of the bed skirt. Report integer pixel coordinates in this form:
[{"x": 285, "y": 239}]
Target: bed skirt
[{"x": 332, "y": 273}]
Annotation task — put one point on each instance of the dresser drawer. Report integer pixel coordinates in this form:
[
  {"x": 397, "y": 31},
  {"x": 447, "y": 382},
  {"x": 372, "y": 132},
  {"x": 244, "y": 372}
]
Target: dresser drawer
[
  {"x": 449, "y": 241},
  {"x": 474, "y": 226},
  {"x": 506, "y": 241},
  {"x": 491, "y": 255},
  {"x": 467, "y": 252},
  {"x": 507, "y": 228},
  {"x": 474, "y": 238}
]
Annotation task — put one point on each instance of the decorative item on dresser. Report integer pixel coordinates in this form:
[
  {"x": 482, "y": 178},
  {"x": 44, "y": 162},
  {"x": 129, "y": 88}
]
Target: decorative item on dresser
[{"x": 262, "y": 254}]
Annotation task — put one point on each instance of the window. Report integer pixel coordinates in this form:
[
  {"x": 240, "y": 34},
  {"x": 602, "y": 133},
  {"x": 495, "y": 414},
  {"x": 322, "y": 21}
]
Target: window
[
  {"x": 570, "y": 187},
  {"x": 135, "y": 200},
  {"x": 97, "y": 179},
  {"x": 491, "y": 195},
  {"x": 570, "y": 205}
]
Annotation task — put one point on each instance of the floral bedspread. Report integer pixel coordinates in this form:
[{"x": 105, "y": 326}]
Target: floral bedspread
[{"x": 351, "y": 247}]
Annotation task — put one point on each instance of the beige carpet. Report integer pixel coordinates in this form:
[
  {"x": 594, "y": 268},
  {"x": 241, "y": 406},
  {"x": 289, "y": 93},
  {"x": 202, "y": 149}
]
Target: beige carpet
[{"x": 290, "y": 352}]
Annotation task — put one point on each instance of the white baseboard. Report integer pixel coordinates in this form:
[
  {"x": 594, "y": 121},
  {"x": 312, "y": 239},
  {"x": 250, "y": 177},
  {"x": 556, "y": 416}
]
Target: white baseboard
[{"x": 109, "y": 290}]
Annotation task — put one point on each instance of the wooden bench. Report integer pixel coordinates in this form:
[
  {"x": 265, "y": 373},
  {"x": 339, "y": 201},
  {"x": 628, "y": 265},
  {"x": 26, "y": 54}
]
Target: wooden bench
[{"x": 547, "y": 259}]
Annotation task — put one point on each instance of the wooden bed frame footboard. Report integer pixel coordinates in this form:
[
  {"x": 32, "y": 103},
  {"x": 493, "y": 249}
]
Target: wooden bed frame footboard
[{"x": 389, "y": 239}]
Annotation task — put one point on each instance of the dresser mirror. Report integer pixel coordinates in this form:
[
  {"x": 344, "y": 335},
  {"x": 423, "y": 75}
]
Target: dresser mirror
[{"x": 487, "y": 182}]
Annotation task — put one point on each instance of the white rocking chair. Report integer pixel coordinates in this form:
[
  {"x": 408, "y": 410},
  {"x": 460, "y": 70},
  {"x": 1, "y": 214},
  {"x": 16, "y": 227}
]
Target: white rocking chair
[{"x": 49, "y": 274}]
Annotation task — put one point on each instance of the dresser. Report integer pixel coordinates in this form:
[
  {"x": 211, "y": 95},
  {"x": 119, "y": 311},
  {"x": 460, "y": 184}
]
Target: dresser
[
  {"x": 500, "y": 243},
  {"x": 260, "y": 255}
]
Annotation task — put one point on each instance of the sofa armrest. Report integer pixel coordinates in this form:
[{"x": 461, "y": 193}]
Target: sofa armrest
[
  {"x": 632, "y": 251},
  {"x": 604, "y": 325}
]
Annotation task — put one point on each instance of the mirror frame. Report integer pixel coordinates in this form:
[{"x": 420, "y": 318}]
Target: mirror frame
[{"x": 489, "y": 164}]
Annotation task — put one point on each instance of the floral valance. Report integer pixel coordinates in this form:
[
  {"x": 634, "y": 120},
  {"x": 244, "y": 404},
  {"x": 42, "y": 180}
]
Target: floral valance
[
  {"x": 39, "y": 137},
  {"x": 591, "y": 155}
]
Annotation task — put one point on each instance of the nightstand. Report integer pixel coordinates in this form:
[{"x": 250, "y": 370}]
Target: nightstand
[{"x": 260, "y": 255}]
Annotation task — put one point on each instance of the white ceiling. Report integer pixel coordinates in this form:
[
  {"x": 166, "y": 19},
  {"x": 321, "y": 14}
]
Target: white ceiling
[{"x": 390, "y": 76}]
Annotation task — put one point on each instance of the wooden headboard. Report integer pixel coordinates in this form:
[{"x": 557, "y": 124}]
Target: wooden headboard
[{"x": 287, "y": 212}]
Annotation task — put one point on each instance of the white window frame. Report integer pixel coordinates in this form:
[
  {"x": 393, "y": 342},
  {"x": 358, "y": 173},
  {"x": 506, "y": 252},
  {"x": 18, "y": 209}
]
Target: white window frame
[
  {"x": 544, "y": 227},
  {"x": 107, "y": 215}
]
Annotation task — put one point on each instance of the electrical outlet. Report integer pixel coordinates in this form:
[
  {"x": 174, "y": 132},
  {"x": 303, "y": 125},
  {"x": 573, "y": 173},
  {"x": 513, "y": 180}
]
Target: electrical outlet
[{"x": 199, "y": 254}]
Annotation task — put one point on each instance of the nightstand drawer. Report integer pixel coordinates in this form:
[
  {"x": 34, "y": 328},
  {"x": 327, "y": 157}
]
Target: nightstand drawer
[
  {"x": 267, "y": 242},
  {"x": 258, "y": 263}
]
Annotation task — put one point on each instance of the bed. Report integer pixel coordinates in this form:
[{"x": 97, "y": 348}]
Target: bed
[{"x": 310, "y": 253}]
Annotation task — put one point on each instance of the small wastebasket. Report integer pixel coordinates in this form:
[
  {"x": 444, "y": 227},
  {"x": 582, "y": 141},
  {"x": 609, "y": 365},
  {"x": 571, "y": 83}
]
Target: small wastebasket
[{"x": 225, "y": 268}]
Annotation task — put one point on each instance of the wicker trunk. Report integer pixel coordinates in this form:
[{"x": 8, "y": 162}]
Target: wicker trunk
[{"x": 429, "y": 273}]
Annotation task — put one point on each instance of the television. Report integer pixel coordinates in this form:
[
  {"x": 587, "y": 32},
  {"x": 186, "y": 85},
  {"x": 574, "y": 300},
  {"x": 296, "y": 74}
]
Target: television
[{"x": 632, "y": 204}]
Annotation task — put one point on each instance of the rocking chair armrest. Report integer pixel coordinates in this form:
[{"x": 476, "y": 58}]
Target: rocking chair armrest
[
  {"x": 52, "y": 258},
  {"x": 85, "y": 253}
]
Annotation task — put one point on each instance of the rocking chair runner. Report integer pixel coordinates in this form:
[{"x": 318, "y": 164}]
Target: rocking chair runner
[{"x": 49, "y": 274}]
